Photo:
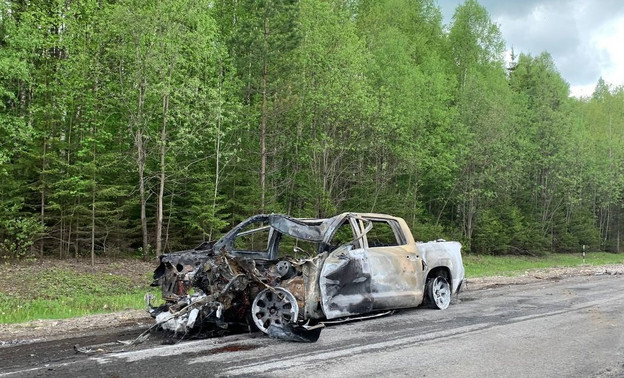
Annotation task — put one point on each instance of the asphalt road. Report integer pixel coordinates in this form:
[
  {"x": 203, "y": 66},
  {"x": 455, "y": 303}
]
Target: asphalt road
[{"x": 572, "y": 327}]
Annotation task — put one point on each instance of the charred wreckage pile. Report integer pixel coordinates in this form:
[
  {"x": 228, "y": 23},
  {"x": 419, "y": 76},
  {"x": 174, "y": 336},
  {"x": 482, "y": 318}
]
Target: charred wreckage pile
[{"x": 349, "y": 265}]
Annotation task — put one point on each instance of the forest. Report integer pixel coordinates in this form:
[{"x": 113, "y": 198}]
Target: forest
[{"x": 137, "y": 127}]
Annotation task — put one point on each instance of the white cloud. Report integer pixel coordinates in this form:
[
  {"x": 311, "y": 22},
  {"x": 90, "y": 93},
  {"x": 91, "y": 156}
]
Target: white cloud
[
  {"x": 584, "y": 37},
  {"x": 579, "y": 91},
  {"x": 609, "y": 40}
]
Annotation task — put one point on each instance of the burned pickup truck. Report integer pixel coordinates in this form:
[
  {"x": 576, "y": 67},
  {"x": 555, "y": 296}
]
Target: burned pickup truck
[{"x": 286, "y": 276}]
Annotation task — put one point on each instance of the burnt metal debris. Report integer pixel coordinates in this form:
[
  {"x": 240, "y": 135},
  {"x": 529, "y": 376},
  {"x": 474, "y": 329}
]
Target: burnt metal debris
[{"x": 286, "y": 276}]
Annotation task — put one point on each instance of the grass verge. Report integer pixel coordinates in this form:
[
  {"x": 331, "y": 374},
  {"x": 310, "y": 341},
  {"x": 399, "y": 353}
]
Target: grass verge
[
  {"x": 13, "y": 310},
  {"x": 487, "y": 266},
  {"x": 56, "y": 289}
]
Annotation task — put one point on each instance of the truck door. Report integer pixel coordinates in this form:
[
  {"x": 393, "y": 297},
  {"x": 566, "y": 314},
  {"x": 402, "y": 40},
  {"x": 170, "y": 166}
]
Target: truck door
[
  {"x": 345, "y": 279},
  {"x": 396, "y": 274}
]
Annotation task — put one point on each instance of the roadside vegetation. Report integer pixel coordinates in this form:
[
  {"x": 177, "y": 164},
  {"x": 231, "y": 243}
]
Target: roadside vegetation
[
  {"x": 56, "y": 289},
  {"x": 488, "y": 265}
]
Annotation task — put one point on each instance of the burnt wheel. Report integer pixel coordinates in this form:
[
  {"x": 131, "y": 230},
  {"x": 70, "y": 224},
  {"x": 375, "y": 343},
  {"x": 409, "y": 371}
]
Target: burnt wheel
[
  {"x": 274, "y": 306},
  {"x": 438, "y": 292}
]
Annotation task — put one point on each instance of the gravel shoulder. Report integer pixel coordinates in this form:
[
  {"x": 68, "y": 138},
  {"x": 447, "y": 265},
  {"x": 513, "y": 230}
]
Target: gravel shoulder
[
  {"x": 534, "y": 275},
  {"x": 39, "y": 330}
]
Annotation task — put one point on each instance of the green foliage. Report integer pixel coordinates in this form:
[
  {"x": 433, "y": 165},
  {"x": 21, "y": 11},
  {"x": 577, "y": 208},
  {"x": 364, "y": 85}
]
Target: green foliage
[
  {"x": 117, "y": 117},
  {"x": 578, "y": 231},
  {"x": 490, "y": 235},
  {"x": 18, "y": 236}
]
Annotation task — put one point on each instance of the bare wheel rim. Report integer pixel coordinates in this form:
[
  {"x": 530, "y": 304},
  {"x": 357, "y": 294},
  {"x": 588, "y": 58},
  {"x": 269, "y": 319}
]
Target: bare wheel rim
[
  {"x": 441, "y": 292},
  {"x": 274, "y": 306}
]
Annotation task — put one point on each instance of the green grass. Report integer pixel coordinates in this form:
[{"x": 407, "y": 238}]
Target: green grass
[
  {"x": 484, "y": 266},
  {"x": 29, "y": 293},
  {"x": 16, "y": 310}
]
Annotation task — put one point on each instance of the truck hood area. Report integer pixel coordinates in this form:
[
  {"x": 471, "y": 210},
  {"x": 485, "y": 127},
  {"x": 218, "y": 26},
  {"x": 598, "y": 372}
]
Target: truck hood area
[{"x": 211, "y": 289}]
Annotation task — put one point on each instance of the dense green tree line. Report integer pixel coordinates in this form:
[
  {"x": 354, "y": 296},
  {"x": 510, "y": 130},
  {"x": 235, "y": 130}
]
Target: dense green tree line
[{"x": 150, "y": 126}]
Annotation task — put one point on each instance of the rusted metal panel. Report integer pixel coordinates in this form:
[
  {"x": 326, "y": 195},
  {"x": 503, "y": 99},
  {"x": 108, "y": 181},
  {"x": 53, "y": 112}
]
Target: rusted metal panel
[{"x": 397, "y": 277}]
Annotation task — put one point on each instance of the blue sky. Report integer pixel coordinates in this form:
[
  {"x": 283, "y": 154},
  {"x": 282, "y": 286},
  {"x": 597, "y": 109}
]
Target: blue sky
[{"x": 584, "y": 37}]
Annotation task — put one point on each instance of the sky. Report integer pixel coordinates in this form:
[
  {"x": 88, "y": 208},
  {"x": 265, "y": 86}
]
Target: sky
[{"x": 584, "y": 37}]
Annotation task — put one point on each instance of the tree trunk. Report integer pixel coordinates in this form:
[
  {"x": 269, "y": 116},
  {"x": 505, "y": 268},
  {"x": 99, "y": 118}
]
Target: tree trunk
[
  {"x": 61, "y": 230},
  {"x": 140, "y": 146},
  {"x": 141, "y": 170},
  {"x": 264, "y": 119},
  {"x": 93, "y": 226},
  {"x": 93, "y": 188},
  {"x": 166, "y": 244},
  {"x": 217, "y": 162},
  {"x": 617, "y": 241},
  {"x": 43, "y": 193},
  {"x": 161, "y": 190}
]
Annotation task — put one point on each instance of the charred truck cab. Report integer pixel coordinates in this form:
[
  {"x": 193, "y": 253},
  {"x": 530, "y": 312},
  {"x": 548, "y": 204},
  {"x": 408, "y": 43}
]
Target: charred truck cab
[{"x": 285, "y": 276}]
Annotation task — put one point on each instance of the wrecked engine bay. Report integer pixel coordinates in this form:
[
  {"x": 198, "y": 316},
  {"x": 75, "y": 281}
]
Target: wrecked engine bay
[{"x": 250, "y": 279}]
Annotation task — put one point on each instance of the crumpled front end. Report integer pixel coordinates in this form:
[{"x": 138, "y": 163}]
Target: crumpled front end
[
  {"x": 176, "y": 271},
  {"x": 225, "y": 292},
  {"x": 202, "y": 290}
]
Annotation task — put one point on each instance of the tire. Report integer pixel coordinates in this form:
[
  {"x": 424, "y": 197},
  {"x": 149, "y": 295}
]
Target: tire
[
  {"x": 438, "y": 292},
  {"x": 274, "y": 306}
]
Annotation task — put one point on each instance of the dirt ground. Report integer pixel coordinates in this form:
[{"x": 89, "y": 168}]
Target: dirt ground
[{"x": 55, "y": 329}]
